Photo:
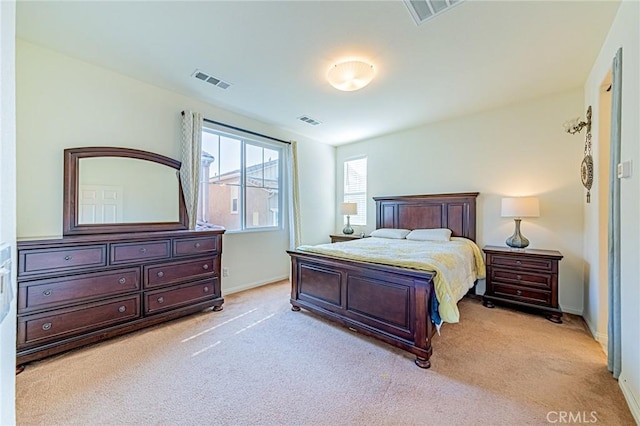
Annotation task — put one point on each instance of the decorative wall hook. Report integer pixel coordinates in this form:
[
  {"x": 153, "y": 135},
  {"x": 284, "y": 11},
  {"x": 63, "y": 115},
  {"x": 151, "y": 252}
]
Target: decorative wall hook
[
  {"x": 575, "y": 126},
  {"x": 586, "y": 168}
]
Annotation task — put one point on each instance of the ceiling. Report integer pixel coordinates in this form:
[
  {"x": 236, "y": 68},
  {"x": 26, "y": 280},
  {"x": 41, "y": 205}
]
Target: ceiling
[{"x": 476, "y": 56}]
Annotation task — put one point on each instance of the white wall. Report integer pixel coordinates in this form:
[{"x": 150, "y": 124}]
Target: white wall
[
  {"x": 8, "y": 202},
  {"x": 625, "y": 33},
  {"x": 63, "y": 102},
  {"x": 517, "y": 150}
]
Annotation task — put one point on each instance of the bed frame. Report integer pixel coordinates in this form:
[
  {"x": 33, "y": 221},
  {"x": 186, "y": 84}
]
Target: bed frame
[{"x": 386, "y": 302}]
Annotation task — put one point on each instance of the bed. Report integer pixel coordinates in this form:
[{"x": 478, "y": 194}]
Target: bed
[{"x": 390, "y": 303}]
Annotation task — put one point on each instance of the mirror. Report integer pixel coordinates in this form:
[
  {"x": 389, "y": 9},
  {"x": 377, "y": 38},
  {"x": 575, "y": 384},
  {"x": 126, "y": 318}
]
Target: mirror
[{"x": 110, "y": 190}]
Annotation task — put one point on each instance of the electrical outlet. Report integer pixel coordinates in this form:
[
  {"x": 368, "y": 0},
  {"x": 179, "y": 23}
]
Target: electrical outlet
[{"x": 225, "y": 272}]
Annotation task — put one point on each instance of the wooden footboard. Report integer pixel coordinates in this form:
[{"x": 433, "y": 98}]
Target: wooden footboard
[{"x": 385, "y": 302}]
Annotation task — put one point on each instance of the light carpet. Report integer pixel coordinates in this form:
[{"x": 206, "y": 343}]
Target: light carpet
[{"x": 258, "y": 363}]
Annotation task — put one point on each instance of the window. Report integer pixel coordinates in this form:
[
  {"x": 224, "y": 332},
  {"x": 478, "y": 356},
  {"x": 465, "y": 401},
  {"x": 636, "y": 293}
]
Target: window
[
  {"x": 355, "y": 188},
  {"x": 240, "y": 181}
]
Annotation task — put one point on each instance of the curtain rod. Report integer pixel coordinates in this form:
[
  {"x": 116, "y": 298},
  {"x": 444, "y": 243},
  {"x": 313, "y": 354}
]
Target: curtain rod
[{"x": 243, "y": 130}]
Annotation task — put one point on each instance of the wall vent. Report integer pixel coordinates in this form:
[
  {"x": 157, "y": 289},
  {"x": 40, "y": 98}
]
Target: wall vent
[
  {"x": 423, "y": 10},
  {"x": 210, "y": 79},
  {"x": 308, "y": 120}
]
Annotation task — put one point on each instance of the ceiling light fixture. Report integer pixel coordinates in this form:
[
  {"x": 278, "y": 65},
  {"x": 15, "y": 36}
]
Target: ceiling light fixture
[{"x": 350, "y": 75}]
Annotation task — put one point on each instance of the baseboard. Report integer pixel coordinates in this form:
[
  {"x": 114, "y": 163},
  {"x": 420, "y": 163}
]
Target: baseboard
[
  {"x": 255, "y": 284},
  {"x": 602, "y": 338},
  {"x": 571, "y": 311},
  {"x": 632, "y": 400}
]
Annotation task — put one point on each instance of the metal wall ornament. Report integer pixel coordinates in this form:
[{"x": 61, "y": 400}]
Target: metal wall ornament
[{"x": 586, "y": 167}]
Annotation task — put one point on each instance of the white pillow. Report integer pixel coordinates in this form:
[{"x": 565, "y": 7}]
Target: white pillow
[
  {"x": 437, "y": 234},
  {"x": 397, "y": 234}
]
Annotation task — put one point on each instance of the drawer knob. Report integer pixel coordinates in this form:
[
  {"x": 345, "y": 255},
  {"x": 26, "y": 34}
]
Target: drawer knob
[
  {"x": 206, "y": 289},
  {"x": 205, "y": 266},
  {"x": 519, "y": 277},
  {"x": 160, "y": 299},
  {"x": 47, "y": 293},
  {"x": 46, "y": 326},
  {"x": 519, "y": 292},
  {"x": 197, "y": 245},
  {"x": 122, "y": 308},
  {"x": 67, "y": 257},
  {"x": 160, "y": 274},
  {"x": 122, "y": 280},
  {"x": 143, "y": 250},
  {"x": 519, "y": 262}
]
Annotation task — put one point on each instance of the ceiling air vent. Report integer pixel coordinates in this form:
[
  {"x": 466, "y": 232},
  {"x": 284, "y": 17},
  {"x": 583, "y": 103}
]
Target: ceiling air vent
[
  {"x": 308, "y": 120},
  {"x": 210, "y": 79},
  {"x": 423, "y": 10}
]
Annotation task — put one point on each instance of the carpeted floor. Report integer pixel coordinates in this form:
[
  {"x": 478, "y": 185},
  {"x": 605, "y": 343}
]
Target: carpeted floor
[{"x": 259, "y": 363}]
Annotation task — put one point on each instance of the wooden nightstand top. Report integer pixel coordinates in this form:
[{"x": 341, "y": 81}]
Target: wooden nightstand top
[
  {"x": 528, "y": 252},
  {"x": 344, "y": 237}
]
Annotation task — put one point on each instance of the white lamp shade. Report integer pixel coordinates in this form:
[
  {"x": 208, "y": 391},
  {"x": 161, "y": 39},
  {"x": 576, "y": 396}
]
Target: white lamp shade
[
  {"x": 520, "y": 207},
  {"x": 350, "y": 75},
  {"x": 348, "y": 209}
]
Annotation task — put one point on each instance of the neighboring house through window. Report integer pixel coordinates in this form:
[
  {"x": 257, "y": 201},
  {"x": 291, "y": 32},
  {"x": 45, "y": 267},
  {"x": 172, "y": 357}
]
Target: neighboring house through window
[
  {"x": 241, "y": 181},
  {"x": 355, "y": 188}
]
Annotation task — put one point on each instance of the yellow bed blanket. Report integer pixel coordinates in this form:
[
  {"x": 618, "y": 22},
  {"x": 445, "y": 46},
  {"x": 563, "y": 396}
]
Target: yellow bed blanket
[{"x": 457, "y": 263}]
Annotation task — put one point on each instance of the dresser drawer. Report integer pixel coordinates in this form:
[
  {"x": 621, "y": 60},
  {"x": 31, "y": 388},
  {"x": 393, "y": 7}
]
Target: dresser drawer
[
  {"x": 38, "y": 261},
  {"x": 189, "y": 246},
  {"x": 128, "y": 252},
  {"x": 522, "y": 262},
  {"x": 522, "y": 294},
  {"x": 515, "y": 277},
  {"x": 64, "y": 323},
  {"x": 175, "y": 297},
  {"x": 175, "y": 272},
  {"x": 54, "y": 292}
]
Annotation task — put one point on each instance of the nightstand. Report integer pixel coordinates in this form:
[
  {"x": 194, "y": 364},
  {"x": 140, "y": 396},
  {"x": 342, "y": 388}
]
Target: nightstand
[
  {"x": 343, "y": 237},
  {"x": 523, "y": 278}
]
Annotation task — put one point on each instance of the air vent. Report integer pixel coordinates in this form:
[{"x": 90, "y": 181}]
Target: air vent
[
  {"x": 423, "y": 10},
  {"x": 308, "y": 120},
  {"x": 210, "y": 79}
]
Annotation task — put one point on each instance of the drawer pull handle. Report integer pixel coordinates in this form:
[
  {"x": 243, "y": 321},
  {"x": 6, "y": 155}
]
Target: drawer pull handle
[
  {"x": 143, "y": 250},
  {"x": 205, "y": 266},
  {"x": 46, "y": 326},
  {"x": 122, "y": 308},
  {"x": 47, "y": 293},
  {"x": 206, "y": 289},
  {"x": 160, "y": 299},
  {"x": 160, "y": 274},
  {"x": 67, "y": 257},
  {"x": 122, "y": 280},
  {"x": 519, "y": 292},
  {"x": 519, "y": 277},
  {"x": 197, "y": 245}
]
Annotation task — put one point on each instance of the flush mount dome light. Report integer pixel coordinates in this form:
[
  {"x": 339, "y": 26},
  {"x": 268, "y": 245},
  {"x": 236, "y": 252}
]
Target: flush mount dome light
[{"x": 350, "y": 75}]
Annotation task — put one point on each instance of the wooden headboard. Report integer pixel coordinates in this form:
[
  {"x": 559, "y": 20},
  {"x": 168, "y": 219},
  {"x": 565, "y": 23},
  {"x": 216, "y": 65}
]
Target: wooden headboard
[{"x": 454, "y": 211}]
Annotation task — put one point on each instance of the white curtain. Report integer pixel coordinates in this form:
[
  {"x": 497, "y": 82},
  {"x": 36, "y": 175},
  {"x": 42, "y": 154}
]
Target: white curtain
[
  {"x": 294, "y": 195},
  {"x": 614, "y": 349},
  {"x": 190, "y": 169}
]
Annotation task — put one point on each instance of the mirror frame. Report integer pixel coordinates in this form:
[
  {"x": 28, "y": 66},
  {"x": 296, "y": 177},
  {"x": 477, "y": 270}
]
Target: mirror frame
[{"x": 70, "y": 225}]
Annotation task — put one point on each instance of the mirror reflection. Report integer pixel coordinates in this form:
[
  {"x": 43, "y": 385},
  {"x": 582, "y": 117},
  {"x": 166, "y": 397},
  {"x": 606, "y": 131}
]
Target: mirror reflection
[{"x": 126, "y": 190}]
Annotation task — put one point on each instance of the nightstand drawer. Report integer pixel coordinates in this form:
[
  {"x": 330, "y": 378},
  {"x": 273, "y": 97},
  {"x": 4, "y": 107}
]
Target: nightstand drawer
[
  {"x": 522, "y": 294},
  {"x": 526, "y": 279},
  {"x": 522, "y": 261}
]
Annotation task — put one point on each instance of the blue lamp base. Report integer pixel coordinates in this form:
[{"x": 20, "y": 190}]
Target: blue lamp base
[
  {"x": 347, "y": 230},
  {"x": 517, "y": 240}
]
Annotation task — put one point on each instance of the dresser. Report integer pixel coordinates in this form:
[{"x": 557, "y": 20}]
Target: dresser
[
  {"x": 79, "y": 290},
  {"x": 526, "y": 278}
]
